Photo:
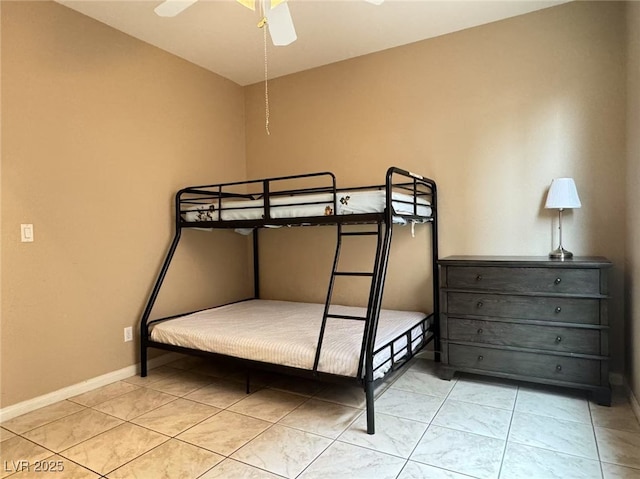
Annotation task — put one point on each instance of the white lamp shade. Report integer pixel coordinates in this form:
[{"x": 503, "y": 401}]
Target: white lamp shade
[{"x": 563, "y": 194}]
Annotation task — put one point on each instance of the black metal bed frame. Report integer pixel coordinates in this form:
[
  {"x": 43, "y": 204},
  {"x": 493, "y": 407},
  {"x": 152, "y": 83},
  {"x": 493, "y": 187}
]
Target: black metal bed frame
[{"x": 415, "y": 185}]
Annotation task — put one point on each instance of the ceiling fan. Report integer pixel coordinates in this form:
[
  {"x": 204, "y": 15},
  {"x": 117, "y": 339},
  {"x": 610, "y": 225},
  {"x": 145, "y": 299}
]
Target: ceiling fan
[{"x": 275, "y": 13}]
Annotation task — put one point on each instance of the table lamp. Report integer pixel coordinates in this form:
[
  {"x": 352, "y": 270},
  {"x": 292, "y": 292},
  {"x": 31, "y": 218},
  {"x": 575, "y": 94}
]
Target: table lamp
[{"x": 562, "y": 194}]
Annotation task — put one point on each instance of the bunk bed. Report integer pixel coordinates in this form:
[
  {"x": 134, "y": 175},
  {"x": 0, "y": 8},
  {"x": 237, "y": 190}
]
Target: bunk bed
[{"x": 322, "y": 341}]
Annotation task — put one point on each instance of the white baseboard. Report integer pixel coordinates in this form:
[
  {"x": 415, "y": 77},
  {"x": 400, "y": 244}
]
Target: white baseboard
[
  {"x": 29, "y": 405},
  {"x": 617, "y": 379}
]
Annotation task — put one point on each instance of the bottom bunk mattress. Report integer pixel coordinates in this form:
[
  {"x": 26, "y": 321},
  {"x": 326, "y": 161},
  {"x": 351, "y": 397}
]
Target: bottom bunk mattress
[{"x": 286, "y": 333}]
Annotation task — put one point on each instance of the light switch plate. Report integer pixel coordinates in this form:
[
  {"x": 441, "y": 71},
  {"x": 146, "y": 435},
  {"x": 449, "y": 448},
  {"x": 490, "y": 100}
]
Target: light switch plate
[{"x": 26, "y": 233}]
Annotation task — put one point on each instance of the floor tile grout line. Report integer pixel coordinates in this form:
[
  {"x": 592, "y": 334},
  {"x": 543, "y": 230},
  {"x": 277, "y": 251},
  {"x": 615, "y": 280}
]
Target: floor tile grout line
[
  {"x": 84, "y": 440},
  {"x": 469, "y": 432},
  {"x": 246, "y": 395},
  {"x": 506, "y": 440},
  {"x": 463, "y": 474},
  {"x": 104, "y": 432},
  {"x": 181, "y": 432},
  {"x": 351, "y": 422},
  {"x": 368, "y": 448},
  {"x": 39, "y": 445},
  {"x": 105, "y": 386},
  {"x": 404, "y": 466},
  {"x": 47, "y": 423},
  {"x": 249, "y": 441},
  {"x": 582, "y": 423},
  {"x": 336, "y": 403},
  {"x": 129, "y": 421},
  {"x": 235, "y": 460},
  {"x": 307, "y": 400},
  {"x": 340, "y": 403},
  {"x": 636, "y": 469},
  {"x": 332, "y": 440},
  {"x": 247, "y": 415},
  {"x": 420, "y": 439},
  {"x": 620, "y": 464},
  {"x": 106, "y": 474},
  {"x": 255, "y": 467},
  {"x": 258, "y": 435},
  {"x": 253, "y": 417},
  {"x": 595, "y": 439},
  {"x": 480, "y": 404},
  {"x": 557, "y": 418},
  {"x": 408, "y": 458},
  {"x": 430, "y": 423},
  {"x": 82, "y": 466},
  {"x": 637, "y": 433},
  {"x": 175, "y": 398},
  {"x": 213, "y": 415},
  {"x": 376, "y": 450},
  {"x": 217, "y": 452},
  {"x": 212, "y": 467},
  {"x": 486, "y": 436},
  {"x": 555, "y": 451}
]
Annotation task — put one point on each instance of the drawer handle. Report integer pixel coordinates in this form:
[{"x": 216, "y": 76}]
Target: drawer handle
[
  {"x": 480, "y": 358},
  {"x": 479, "y": 277},
  {"x": 558, "y": 309},
  {"x": 558, "y": 339},
  {"x": 480, "y": 331},
  {"x": 558, "y": 280},
  {"x": 480, "y": 304},
  {"x": 558, "y": 368}
]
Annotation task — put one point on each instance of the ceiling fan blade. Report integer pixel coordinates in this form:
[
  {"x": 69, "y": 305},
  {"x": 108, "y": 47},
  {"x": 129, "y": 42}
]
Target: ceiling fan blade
[
  {"x": 170, "y": 8},
  {"x": 281, "y": 25},
  {"x": 250, "y": 4}
]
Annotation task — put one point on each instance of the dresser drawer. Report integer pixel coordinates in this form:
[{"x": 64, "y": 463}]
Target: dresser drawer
[
  {"x": 566, "y": 310},
  {"x": 550, "y": 338},
  {"x": 559, "y": 368},
  {"x": 514, "y": 279}
]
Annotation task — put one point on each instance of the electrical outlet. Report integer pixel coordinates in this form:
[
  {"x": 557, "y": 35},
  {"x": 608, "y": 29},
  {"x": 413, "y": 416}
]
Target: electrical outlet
[{"x": 128, "y": 334}]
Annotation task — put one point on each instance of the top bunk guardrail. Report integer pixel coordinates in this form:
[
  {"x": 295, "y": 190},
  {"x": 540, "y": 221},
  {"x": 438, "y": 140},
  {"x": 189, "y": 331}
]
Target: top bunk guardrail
[{"x": 308, "y": 199}]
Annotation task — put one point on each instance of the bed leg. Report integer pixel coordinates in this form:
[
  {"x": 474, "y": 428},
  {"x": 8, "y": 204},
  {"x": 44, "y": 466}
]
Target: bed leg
[
  {"x": 248, "y": 381},
  {"x": 143, "y": 362},
  {"x": 371, "y": 427}
]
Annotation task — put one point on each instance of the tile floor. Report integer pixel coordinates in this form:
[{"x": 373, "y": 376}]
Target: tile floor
[{"x": 192, "y": 419}]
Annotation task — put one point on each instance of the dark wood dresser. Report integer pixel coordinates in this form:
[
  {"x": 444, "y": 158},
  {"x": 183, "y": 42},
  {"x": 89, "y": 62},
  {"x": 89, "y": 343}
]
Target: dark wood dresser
[{"x": 527, "y": 318}]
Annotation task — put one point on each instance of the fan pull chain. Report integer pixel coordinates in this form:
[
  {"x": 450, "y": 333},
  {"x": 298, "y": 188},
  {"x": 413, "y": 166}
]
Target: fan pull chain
[{"x": 266, "y": 80}]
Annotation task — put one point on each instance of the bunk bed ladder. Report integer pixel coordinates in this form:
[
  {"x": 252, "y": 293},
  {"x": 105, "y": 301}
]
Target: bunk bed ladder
[
  {"x": 373, "y": 308},
  {"x": 336, "y": 273}
]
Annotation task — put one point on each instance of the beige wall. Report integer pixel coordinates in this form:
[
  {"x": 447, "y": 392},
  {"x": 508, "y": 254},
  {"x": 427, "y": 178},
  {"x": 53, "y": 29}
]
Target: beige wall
[
  {"x": 98, "y": 131},
  {"x": 633, "y": 197},
  {"x": 492, "y": 114}
]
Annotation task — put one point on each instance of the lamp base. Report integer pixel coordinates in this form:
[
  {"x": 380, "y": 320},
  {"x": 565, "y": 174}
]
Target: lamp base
[{"x": 561, "y": 254}]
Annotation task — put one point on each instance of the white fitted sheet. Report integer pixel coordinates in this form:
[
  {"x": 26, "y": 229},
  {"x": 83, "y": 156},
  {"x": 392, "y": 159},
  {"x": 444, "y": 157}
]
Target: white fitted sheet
[
  {"x": 306, "y": 205},
  {"x": 286, "y": 333}
]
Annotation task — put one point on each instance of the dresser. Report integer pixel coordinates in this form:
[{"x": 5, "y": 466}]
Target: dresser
[{"x": 527, "y": 318}]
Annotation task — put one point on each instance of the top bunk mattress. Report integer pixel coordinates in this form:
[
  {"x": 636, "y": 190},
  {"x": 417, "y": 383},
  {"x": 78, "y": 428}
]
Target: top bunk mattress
[
  {"x": 308, "y": 205},
  {"x": 286, "y": 333}
]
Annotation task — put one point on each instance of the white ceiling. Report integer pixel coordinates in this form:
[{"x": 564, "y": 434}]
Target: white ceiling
[{"x": 223, "y": 37}]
